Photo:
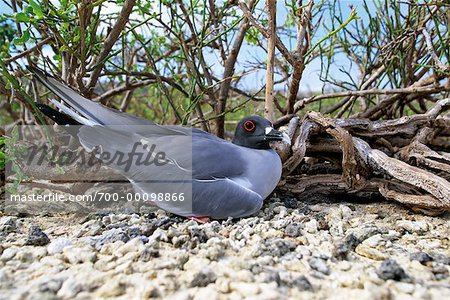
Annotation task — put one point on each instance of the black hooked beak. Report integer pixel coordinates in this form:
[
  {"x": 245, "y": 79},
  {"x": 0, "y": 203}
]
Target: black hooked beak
[{"x": 273, "y": 135}]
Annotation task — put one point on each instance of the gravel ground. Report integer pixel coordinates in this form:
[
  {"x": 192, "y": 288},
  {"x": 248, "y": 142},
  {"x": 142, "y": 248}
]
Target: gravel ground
[{"x": 312, "y": 249}]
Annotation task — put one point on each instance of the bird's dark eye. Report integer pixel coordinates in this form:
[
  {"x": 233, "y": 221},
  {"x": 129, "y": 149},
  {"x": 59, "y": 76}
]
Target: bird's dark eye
[{"x": 249, "y": 126}]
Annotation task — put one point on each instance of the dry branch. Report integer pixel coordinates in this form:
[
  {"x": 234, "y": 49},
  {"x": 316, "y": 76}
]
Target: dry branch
[
  {"x": 432, "y": 52},
  {"x": 392, "y": 158},
  {"x": 28, "y": 51},
  {"x": 301, "y": 48},
  {"x": 410, "y": 90},
  {"x": 228, "y": 72},
  {"x": 278, "y": 43},
  {"x": 268, "y": 104},
  {"x": 298, "y": 148},
  {"x": 110, "y": 40},
  {"x": 404, "y": 172}
]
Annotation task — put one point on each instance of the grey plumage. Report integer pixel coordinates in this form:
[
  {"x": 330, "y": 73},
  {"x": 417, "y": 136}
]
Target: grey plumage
[{"x": 226, "y": 179}]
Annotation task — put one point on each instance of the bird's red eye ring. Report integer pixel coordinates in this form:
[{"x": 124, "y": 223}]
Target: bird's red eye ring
[{"x": 249, "y": 126}]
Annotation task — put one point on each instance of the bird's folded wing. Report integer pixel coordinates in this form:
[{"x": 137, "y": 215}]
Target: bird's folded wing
[{"x": 223, "y": 198}]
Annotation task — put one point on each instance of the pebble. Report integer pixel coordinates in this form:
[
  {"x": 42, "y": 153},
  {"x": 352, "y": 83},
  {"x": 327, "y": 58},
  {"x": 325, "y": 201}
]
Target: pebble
[
  {"x": 374, "y": 241},
  {"x": 58, "y": 245},
  {"x": 244, "y": 288},
  {"x": 319, "y": 264},
  {"x": 418, "y": 227},
  {"x": 198, "y": 235},
  {"x": 441, "y": 258},
  {"x": 440, "y": 272},
  {"x": 364, "y": 232},
  {"x": 75, "y": 255},
  {"x": 390, "y": 269},
  {"x": 113, "y": 288},
  {"x": 344, "y": 247},
  {"x": 203, "y": 278},
  {"x": 8, "y": 254},
  {"x": 148, "y": 253},
  {"x": 8, "y": 224},
  {"x": 312, "y": 226},
  {"x": 293, "y": 230},
  {"x": 133, "y": 245},
  {"x": 277, "y": 247},
  {"x": 421, "y": 257},
  {"x": 369, "y": 252},
  {"x": 214, "y": 249},
  {"x": 272, "y": 276},
  {"x": 302, "y": 283},
  {"x": 110, "y": 236},
  {"x": 36, "y": 237}
]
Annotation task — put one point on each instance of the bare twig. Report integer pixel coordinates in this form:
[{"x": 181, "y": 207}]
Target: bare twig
[
  {"x": 301, "y": 48},
  {"x": 123, "y": 88},
  {"x": 168, "y": 80},
  {"x": 271, "y": 6},
  {"x": 26, "y": 52},
  {"x": 228, "y": 72},
  {"x": 432, "y": 52},
  {"x": 126, "y": 100},
  {"x": 409, "y": 90},
  {"x": 110, "y": 40},
  {"x": 278, "y": 43}
]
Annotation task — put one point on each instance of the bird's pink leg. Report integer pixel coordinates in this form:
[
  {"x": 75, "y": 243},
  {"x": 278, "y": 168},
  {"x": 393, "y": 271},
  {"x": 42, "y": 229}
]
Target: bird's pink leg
[{"x": 201, "y": 220}]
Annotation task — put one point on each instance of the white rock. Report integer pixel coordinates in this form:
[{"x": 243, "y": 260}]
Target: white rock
[
  {"x": 76, "y": 255},
  {"x": 51, "y": 261},
  {"x": 58, "y": 245},
  {"x": 109, "y": 249},
  {"x": 418, "y": 227},
  {"x": 245, "y": 289},
  {"x": 28, "y": 255},
  {"x": 312, "y": 226},
  {"x": 112, "y": 288},
  {"x": 134, "y": 245},
  {"x": 8, "y": 254},
  {"x": 206, "y": 293},
  {"x": 404, "y": 287},
  {"x": 346, "y": 212},
  {"x": 223, "y": 285},
  {"x": 374, "y": 241},
  {"x": 70, "y": 288}
]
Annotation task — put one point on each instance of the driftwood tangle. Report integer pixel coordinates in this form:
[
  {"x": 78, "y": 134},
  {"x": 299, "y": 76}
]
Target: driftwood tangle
[{"x": 405, "y": 159}]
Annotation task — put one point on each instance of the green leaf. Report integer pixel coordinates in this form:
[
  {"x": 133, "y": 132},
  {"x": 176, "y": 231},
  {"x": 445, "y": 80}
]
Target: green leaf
[
  {"x": 23, "y": 39},
  {"x": 22, "y": 17},
  {"x": 2, "y": 160},
  {"x": 36, "y": 9},
  {"x": 27, "y": 9}
]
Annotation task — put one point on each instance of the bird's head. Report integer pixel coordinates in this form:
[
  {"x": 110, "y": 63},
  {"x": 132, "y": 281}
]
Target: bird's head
[{"x": 257, "y": 133}]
